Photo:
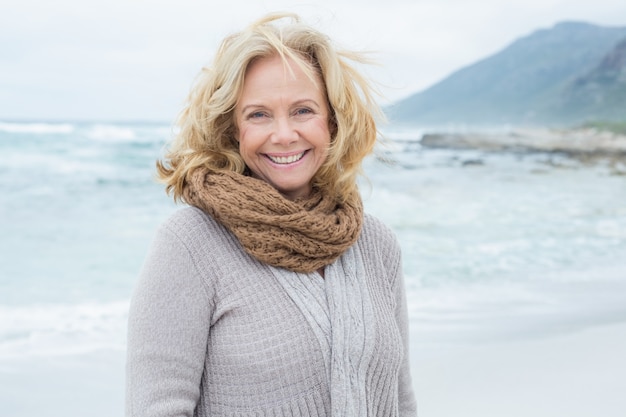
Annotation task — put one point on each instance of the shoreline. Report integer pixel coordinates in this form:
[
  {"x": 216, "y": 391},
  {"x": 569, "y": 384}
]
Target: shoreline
[
  {"x": 577, "y": 374},
  {"x": 587, "y": 145}
]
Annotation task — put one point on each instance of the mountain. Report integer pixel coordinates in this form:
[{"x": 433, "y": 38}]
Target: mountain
[
  {"x": 567, "y": 74},
  {"x": 601, "y": 93}
]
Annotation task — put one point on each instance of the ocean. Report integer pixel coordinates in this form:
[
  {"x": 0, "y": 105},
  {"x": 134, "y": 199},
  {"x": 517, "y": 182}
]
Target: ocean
[{"x": 496, "y": 247}]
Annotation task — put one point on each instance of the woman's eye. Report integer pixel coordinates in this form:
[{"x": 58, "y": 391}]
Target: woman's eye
[
  {"x": 256, "y": 115},
  {"x": 304, "y": 111}
]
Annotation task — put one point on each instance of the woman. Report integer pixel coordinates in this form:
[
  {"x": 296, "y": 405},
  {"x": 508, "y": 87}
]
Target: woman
[{"x": 273, "y": 294}]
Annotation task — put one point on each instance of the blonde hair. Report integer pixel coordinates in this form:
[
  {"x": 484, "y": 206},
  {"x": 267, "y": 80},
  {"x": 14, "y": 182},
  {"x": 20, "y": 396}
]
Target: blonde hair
[{"x": 207, "y": 127}]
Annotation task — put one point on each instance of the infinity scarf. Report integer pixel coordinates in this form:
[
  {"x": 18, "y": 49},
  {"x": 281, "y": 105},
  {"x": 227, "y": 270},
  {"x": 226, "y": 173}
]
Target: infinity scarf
[{"x": 302, "y": 236}]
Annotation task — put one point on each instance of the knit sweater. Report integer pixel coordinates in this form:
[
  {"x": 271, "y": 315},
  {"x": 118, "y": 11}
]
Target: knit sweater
[{"x": 214, "y": 332}]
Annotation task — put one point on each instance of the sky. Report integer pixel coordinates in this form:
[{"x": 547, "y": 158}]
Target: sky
[{"x": 135, "y": 60}]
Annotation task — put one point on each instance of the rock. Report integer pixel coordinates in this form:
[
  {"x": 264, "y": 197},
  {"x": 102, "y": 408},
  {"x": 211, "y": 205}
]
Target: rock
[{"x": 581, "y": 143}]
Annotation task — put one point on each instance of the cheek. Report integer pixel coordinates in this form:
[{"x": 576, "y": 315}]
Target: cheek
[
  {"x": 239, "y": 128},
  {"x": 242, "y": 137},
  {"x": 248, "y": 144},
  {"x": 324, "y": 132}
]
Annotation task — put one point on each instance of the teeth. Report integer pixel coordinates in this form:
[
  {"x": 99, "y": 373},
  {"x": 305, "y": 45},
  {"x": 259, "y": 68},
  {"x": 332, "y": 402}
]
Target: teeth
[{"x": 286, "y": 159}]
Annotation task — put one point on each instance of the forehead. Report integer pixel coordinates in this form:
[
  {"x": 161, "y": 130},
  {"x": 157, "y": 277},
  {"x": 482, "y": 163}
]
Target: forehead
[{"x": 275, "y": 69}]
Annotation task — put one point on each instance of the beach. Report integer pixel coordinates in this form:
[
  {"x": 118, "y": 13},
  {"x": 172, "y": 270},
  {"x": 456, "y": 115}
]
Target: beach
[
  {"x": 88, "y": 384},
  {"x": 513, "y": 262},
  {"x": 575, "y": 374},
  {"x": 540, "y": 333}
]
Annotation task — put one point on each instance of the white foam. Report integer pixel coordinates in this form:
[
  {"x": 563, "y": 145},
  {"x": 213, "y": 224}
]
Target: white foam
[
  {"x": 38, "y": 128},
  {"x": 111, "y": 133},
  {"x": 53, "y": 164},
  {"x": 513, "y": 310},
  {"x": 58, "y": 329},
  {"x": 402, "y": 135}
]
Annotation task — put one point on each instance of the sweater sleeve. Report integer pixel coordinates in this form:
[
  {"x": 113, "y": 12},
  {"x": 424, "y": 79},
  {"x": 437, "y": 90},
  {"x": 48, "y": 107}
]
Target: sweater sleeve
[
  {"x": 406, "y": 396},
  {"x": 168, "y": 328}
]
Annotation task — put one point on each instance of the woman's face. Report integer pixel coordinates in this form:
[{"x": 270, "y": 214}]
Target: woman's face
[{"x": 282, "y": 125}]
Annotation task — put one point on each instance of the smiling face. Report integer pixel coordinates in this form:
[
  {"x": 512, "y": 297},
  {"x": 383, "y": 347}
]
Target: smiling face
[{"x": 282, "y": 125}]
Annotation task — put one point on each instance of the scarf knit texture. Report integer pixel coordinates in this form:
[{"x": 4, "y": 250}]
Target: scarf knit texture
[{"x": 302, "y": 235}]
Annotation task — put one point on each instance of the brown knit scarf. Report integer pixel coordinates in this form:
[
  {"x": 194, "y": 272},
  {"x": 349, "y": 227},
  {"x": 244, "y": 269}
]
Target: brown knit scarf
[{"x": 302, "y": 236}]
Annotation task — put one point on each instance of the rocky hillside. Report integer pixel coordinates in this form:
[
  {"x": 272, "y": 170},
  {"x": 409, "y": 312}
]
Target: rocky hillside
[
  {"x": 568, "y": 74},
  {"x": 601, "y": 93}
]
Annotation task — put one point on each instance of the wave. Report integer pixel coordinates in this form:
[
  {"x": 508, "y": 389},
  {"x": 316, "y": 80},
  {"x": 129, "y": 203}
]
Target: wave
[
  {"x": 111, "y": 132},
  {"x": 99, "y": 132},
  {"x": 50, "y": 330},
  {"x": 510, "y": 311},
  {"x": 37, "y": 128}
]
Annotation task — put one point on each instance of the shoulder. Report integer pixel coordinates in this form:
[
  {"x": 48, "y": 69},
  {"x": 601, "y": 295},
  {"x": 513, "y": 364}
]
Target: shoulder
[
  {"x": 205, "y": 240},
  {"x": 189, "y": 221},
  {"x": 379, "y": 246},
  {"x": 193, "y": 227},
  {"x": 377, "y": 234}
]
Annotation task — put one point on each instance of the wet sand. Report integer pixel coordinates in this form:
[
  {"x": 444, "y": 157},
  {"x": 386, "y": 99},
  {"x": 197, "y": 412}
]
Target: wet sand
[{"x": 577, "y": 374}]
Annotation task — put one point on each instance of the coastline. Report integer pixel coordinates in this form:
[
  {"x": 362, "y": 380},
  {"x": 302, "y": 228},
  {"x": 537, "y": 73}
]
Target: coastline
[{"x": 584, "y": 144}]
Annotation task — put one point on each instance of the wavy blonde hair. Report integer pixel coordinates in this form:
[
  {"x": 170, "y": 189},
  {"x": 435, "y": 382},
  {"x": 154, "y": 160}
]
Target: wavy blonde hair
[{"x": 207, "y": 127}]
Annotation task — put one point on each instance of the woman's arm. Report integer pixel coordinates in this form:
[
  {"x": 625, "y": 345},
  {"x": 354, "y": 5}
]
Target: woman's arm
[
  {"x": 406, "y": 396},
  {"x": 168, "y": 328}
]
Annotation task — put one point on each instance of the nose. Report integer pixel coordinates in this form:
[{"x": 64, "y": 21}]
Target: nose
[{"x": 284, "y": 132}]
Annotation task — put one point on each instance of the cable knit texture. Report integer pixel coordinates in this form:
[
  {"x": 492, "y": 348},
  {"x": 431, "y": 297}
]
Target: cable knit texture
[
  {"x": 215, "y": 332},
  {"x": 302, "y": 235}
]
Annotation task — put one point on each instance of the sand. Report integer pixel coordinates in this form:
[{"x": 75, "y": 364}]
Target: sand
[
  {"x": 580, "y": 374},
  {"x": 88, "y": 385}
]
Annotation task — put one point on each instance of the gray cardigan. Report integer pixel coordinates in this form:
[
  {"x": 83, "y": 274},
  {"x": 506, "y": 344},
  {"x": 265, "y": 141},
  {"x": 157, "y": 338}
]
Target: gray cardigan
[{"x": 214, "y": 332}]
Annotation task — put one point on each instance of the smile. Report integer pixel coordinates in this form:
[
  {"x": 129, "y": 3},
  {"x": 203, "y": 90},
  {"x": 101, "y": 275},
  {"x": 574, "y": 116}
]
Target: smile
[{"x": 286, "y": 159}]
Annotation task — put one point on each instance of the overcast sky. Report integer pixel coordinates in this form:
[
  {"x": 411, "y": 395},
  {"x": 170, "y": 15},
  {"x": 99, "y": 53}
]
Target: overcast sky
[{"x": 135, "y": 59}]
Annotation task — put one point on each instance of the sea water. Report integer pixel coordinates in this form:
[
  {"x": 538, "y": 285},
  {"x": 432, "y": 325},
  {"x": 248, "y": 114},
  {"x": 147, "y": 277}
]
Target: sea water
[{"x": 496, "y": 246}]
